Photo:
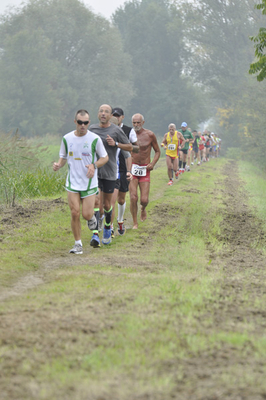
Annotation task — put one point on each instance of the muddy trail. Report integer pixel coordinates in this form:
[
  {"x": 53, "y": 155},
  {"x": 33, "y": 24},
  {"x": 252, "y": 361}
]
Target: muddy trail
[{"x": 206, "y": 375}]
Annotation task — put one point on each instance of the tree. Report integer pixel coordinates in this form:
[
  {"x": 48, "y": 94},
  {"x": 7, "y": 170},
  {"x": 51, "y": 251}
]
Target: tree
[
  {"x": 152, "y": 35},
  {"x": 29, "y": 98},
  {"x": 260, "y": 40},
  {"x": 217, "y": 33},
  {"x": 77, "y": 58}
]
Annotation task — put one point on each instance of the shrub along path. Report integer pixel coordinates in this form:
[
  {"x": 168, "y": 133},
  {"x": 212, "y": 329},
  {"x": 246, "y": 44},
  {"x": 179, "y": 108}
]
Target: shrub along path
[{"x": 175, "y": 310}]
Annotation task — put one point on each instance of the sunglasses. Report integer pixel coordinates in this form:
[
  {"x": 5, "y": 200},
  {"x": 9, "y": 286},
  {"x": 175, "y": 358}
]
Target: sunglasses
[{"x": 82, "y": 122}]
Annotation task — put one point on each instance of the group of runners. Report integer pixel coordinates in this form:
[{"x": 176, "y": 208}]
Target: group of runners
[
  {"x": 185, "y": 147},
  {"x": 102, "y": 160},
  {"x": 108, "y": 159}
]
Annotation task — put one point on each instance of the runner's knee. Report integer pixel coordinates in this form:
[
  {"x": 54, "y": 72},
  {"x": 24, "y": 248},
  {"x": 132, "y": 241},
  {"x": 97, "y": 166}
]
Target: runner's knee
[{"x": 144, "y": 202}]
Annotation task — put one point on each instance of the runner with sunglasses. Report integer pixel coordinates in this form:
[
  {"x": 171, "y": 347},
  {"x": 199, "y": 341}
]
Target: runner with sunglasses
[{"x": 78, "y": 149}]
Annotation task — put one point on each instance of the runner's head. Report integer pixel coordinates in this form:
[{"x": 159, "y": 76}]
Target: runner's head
[
  {"x": 184, "y": 126},
  {"x": 104, "y": 115},
  {"x": 119, "y": 114},
  {"x": 172, "y": 128},
  {"x": 82, "y": 120},
  {"x": 137, "y": 122}
]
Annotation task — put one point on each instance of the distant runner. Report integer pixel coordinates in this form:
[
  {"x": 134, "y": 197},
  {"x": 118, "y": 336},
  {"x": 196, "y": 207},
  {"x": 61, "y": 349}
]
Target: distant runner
[
  {"x": 185, "y": 146},
  {"x": 171, "y": 142}
]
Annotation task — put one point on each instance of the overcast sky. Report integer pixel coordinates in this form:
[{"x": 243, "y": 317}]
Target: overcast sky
[{"x": 103, "y": 7}]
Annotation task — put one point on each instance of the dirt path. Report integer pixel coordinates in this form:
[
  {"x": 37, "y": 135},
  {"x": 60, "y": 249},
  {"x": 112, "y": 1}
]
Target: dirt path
[{"x": 238, "y": 309}]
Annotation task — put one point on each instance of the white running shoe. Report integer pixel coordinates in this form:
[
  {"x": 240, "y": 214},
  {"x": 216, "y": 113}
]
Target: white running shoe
[{"x": 77, "y": 249}]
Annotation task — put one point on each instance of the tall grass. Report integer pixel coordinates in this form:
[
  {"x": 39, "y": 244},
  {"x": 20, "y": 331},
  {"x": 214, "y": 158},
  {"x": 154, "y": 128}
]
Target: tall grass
[{"x": 22, "y": 174}]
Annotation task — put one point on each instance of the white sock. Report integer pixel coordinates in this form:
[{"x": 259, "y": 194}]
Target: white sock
[
  {"x": 78, "y": 242},
  {"x": 121, "y": 212}
]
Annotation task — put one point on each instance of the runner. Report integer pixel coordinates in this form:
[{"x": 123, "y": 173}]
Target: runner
[
  {"x": 124, "y": 162},
  {"x": 188, "y": 137},
  {"x": 202, "y": 148},
  {"x": 78, "y": 149},
  {"x": 214, "y": 145},
  {"x": 207, "y": 135},
  {"x": 113, "y": 138},
  {"x": 196, "y": 151},
  {"x": 141, "y": 168},
  {"x": 189, "y": 153},
  {"x": 171, "y": 142}
]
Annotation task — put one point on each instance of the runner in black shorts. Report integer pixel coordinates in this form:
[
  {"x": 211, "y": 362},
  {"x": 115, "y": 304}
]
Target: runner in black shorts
[
  {"x": 124, "y": 176},
  {"x": 113, "y": 138}
]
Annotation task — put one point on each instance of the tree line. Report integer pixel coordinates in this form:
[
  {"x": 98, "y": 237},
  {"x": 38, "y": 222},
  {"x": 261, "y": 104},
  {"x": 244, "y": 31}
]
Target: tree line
[{"x": 173, "y": 61}]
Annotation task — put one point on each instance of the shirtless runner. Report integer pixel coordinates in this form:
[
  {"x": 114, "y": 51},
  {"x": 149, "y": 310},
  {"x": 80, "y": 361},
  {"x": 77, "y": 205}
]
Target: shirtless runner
[{"x": 141, "y": 167}]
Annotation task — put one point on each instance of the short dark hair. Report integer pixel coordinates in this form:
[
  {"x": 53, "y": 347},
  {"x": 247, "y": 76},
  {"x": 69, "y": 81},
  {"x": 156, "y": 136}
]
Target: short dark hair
[{"x": 81, "y": 112}]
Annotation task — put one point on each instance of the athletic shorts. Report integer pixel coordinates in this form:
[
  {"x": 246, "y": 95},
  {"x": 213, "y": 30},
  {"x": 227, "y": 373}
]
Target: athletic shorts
[
  {"x": 184, "y": 151},
  {"x": 117, "y": 184},
  {"x": 201, "y": 146},
  {"x": 106, "y": 186},
  {"x": 172, "y": 158},
  {"x": 123, "y": 182},
  {"x": 146, "y": 178},
  {"x": 84, "y": 193}
]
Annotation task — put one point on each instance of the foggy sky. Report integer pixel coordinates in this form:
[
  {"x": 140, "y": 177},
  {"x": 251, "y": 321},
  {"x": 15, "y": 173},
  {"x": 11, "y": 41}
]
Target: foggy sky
[{"x": 103, "y": 7}]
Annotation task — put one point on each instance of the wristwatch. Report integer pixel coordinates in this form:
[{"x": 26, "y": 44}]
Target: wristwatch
[{"x": 95, "y": 166}]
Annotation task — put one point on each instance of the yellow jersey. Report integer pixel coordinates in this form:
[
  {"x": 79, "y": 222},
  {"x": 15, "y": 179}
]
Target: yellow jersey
[{"x": 172, "y": 145}]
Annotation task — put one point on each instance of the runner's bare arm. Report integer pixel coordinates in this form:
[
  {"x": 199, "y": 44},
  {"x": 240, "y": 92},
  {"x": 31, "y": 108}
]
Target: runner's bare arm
[
  {"x": 129, "y": 165},
  {"x": 164, "y": 142},
  {"x": 157, "y": 153},
  {"x": 57, "y": 165}
]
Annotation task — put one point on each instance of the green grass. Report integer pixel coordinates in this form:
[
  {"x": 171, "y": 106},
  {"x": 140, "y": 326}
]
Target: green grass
[
  {"x": 127, "y": 318},
  {"x": 28, "y": 173},
  {"x": 256, "y": 186}
]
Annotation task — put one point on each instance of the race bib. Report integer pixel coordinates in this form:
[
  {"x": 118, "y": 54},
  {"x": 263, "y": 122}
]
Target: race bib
[
  {"x": 138, "y": 170},
  {"x": 171, "y": 146}
]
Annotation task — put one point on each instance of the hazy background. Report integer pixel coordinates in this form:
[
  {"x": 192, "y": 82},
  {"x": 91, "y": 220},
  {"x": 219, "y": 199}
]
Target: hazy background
[
  {"x": 103, "y": 7},
  {"x": 171, "y": 60}
]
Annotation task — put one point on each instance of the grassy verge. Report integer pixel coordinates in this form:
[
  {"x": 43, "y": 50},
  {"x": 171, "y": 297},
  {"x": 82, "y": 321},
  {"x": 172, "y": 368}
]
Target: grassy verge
[{"x": 255, "y": 183}]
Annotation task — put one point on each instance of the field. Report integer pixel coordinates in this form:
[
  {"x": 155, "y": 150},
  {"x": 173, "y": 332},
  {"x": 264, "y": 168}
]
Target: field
[{"x": 173, "y": 310}]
